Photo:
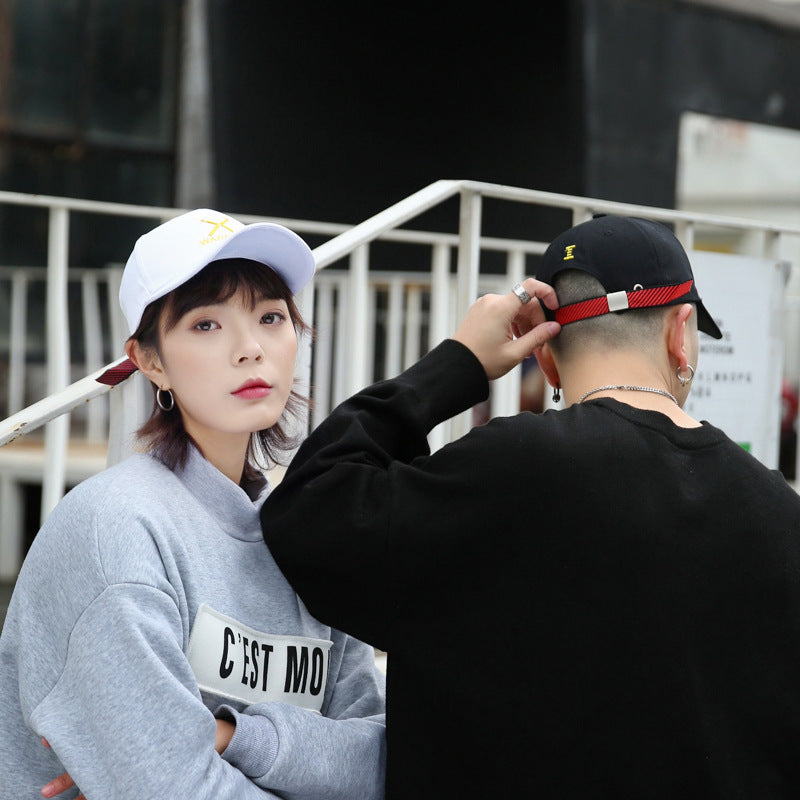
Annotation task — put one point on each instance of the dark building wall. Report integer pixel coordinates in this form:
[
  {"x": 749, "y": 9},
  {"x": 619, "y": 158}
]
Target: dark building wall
[
  {"x": 321, "y": 113},
  {"x": 324, "y": 114},
  {"x": 333, "y": 112},
  {"x": 647, "y": 61},
  {"x": 87, "y": 110}
]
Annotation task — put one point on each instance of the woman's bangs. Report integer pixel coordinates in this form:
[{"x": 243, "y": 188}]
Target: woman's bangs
[{"x": 222, "y": 280}]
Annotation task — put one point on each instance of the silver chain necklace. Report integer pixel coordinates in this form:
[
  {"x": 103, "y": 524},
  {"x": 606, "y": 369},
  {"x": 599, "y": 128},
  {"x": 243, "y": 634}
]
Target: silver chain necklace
[{"x": 663, "y": 392}]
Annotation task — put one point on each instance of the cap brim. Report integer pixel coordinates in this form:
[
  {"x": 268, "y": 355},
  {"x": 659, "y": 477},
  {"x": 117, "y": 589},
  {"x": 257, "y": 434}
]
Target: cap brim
[
  {"x": 705, "y": 322},
  {"x": 275, "y": 246}
]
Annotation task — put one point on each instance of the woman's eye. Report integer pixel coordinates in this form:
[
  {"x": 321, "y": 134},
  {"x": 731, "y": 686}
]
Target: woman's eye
[
  {"x": 206, "y": 325},
  {"x": 271, "y": 318}
]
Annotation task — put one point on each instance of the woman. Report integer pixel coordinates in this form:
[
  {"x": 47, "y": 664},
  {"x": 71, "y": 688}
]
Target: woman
[{"x": 148, "y": 602}]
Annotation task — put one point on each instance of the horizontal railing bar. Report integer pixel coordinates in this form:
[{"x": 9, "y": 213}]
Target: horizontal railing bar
[
  {"x": 379, "y": 278},
  {"x": 378, "y": 226},
  {"x": 447, "y": 188},
  {"x": 40, "y": 273},
  {"x": 52, "y": 406},
  {"x": 534, "y": 196},
  {"x": 371, "y": 228},
  {"x": 87, "y": 206}
]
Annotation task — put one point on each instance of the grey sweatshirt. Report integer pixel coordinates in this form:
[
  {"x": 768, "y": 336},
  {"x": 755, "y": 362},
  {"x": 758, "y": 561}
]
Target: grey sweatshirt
[{"x": 147, "y": 603}]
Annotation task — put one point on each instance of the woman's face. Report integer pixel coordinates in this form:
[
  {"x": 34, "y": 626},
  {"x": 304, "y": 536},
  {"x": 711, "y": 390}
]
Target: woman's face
[{"x": 230, "y": 368}]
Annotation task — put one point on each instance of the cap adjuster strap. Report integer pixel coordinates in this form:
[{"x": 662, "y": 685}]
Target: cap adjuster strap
[
  {"x": 620, "y": 301},
  {"x": 617, "y": 301}
]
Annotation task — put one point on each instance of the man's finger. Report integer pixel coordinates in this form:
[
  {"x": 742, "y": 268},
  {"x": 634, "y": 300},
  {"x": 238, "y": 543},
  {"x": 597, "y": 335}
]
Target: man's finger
[
  {"x": 537, "y": 289},
  {"x": 526, "y": 344},
  {"x": 530, "y": 314}
]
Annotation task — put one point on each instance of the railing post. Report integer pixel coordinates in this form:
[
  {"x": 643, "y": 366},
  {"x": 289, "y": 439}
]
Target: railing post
[
  {"x": 11, "y": 538},
  {"x": 506, "y": 390},
  {"x": 302, "y": 370},
  {"x": 119, "y": 327},
  {"x": 369, "y": 338},
  {"x": 129, "y": 406},
  {"x": 469, "y": 237},
  {"x": 17, "y": 343},
  {"x": 440, "y": 320},
  {"x": 581, "y": 214},
  {"x": 772, "y": 241},
  {"x": 412, "y": 340},
  {"x": 341, "y": 387},
  {"x": 96, "y": 417},
  {"x": 323, "y": 352},
  {"x": 393, "y": 348},
  {"x": 58, "y": 360},
  {"x": 684, "y": 233},
  {"x": 358, "y": 312},
  {"x": 440, "y": 294}
]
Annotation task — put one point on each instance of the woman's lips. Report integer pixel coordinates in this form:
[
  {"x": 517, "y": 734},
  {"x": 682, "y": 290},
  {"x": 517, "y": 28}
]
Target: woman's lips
[{"x": 253, "y": 390}]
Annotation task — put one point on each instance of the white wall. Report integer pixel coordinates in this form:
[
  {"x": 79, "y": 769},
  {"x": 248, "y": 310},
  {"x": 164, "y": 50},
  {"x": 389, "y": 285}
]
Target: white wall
[{"x": 743, "y": 169}]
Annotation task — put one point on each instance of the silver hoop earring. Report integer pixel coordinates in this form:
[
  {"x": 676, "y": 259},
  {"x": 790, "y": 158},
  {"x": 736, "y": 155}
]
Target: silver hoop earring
[
  {"x": 160, "y": 401},
  {"x": 684, "y": 381}
]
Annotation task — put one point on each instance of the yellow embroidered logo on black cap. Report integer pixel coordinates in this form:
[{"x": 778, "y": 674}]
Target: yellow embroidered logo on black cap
[{"x": 569, "y": 248}]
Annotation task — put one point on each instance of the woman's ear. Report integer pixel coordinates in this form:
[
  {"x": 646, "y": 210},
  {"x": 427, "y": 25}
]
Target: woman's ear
[{"x": 148, "y": 362}]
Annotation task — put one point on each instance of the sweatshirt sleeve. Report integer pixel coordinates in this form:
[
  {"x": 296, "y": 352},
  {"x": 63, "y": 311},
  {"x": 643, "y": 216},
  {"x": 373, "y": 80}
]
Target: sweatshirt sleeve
[
  {"x": 337, "y": 755},
  {"x": 124, "y": 717},
  {"x": 330, "y": 520}
]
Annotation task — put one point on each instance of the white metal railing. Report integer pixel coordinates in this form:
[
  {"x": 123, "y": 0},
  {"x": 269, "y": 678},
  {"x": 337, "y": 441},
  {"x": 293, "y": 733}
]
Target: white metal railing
[
  {"x": 344, "y": 367},
  {"x": 403, "y": 326},
  {"x": 101, "y": 322}
]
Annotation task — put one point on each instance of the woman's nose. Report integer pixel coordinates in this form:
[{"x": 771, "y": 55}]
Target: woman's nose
[{"x": 248, "y": 349}]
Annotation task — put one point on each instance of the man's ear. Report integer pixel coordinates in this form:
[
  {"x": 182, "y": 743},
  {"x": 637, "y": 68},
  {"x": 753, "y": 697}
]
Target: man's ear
[
  {"x": 676, "y": 336},
  {"x": 148, "y": 362},
  {"x": 548, "y": 365}
]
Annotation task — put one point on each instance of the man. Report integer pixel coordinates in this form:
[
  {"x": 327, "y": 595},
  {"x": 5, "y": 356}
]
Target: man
[{"x": 602, "y": 601}]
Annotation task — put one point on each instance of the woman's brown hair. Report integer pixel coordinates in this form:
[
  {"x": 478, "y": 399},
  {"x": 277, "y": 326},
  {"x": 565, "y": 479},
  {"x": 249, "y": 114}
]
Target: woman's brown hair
[{"x": 163, "y": 432}]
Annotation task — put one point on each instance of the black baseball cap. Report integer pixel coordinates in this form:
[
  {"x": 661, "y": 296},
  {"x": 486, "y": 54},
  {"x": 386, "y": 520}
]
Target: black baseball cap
[{"x": 640, "y": 263}]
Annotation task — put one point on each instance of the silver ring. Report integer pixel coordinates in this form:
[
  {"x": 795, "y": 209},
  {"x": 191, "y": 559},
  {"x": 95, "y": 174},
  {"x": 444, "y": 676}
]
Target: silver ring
[{"x": 519, "y": 291}]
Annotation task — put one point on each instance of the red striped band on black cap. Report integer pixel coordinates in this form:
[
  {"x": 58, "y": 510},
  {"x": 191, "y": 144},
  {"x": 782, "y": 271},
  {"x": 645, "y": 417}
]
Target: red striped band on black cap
[{"x": 619, "y": 301}]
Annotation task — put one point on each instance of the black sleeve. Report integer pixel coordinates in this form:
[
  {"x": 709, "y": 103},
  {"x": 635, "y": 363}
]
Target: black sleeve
[{"x": 330, "y": 521}]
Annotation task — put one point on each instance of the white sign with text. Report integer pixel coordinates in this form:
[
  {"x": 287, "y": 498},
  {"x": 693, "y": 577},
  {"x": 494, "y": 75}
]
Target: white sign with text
[{"x": 737, "y": 386}]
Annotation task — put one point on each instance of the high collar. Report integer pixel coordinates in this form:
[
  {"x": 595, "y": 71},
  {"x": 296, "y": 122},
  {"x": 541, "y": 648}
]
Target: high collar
[{"x": 228, "y": 503}]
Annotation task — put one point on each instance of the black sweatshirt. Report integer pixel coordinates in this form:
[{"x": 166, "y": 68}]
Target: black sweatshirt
[{"x": 591, "y": 602}]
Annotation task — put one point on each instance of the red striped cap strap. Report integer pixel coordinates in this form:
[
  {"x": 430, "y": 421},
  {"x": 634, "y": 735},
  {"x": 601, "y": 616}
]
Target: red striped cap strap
[
  {"x": 115, "y": 375},
  {"x": 620, "y": 301}
]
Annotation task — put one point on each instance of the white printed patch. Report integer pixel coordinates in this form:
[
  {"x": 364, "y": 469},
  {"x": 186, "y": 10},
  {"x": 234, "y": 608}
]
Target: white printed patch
[{"x": 234, "y": 661}]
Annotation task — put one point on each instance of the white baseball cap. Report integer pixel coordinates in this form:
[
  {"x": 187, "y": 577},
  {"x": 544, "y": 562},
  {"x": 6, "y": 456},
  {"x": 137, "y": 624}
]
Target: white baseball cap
[{"x": 167, "y": 256}]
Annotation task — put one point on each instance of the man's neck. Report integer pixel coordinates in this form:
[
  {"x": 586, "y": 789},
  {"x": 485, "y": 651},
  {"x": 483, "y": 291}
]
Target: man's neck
[{"x": 629, "y": 380}]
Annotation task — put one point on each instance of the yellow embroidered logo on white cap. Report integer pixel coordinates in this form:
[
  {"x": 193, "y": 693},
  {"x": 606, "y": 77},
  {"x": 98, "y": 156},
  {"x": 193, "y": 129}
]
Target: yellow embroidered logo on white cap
[{"x": 215, "y": 226}]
